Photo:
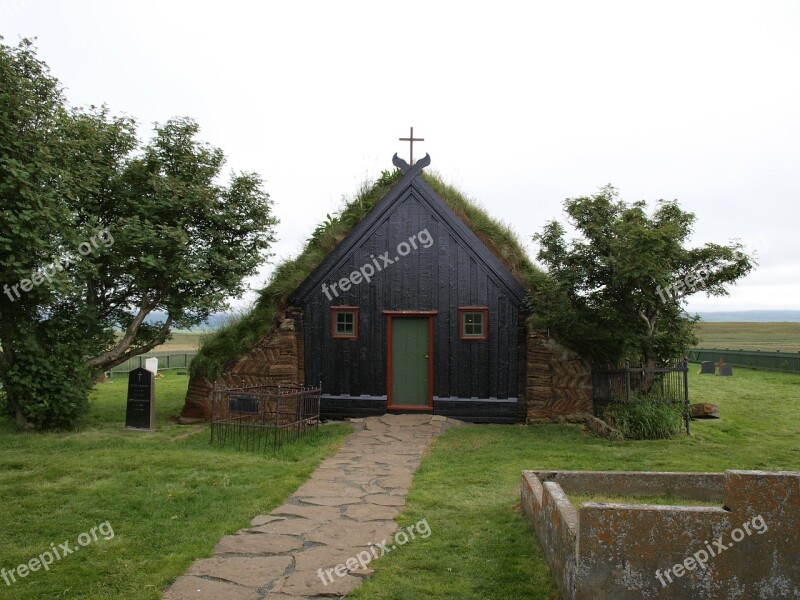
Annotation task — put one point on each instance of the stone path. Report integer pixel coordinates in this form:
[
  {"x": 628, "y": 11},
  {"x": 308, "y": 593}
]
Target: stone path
[{"x": 345, "y": 508}]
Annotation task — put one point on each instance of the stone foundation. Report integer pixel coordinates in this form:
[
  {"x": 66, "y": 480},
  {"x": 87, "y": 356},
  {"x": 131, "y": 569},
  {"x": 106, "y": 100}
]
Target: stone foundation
[
  {"x": 559, "y": 382},
  {"x": 605, "y": 551},
  {"x": 277, "y": 359}
]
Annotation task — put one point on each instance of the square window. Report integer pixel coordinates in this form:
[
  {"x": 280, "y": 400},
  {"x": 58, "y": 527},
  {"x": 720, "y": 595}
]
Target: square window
[
  {"x": 344, "y": 322},
  {"x": 473, "y": 324}
]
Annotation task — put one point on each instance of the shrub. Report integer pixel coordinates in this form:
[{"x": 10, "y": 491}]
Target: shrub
[
  {"x": 50, "y": 385},
  {"x": 646, "y": 418}
]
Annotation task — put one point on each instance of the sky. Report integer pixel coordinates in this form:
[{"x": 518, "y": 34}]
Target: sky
[{"x": 521, "y": 104}]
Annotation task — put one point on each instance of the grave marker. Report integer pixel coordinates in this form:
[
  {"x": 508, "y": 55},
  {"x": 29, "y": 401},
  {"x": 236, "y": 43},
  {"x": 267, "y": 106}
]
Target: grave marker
[
  {"x": 706, "y": 367},
  {"x": 141, "y": 408},
  {"x": 151, "y": 364},
  {"x": 726, "y": 370}
]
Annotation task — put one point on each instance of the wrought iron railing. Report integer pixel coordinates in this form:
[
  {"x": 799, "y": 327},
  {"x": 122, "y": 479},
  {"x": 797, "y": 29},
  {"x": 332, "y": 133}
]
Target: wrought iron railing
[
  {"x": 613, "y": 385},
  {"x": 263, "y": 417}
]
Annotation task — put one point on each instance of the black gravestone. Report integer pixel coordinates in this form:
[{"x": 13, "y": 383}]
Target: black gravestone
[
  {"x": 707, "y": 368},
  {"x": 141, "y": 413},
  {"x": 726, "y": 370}
]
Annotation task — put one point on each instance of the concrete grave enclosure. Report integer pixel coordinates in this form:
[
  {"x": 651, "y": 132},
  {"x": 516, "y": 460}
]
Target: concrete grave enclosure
[{"x": 623, "y": 551}]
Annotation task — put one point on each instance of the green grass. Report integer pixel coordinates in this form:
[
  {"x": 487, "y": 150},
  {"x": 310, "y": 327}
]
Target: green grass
[
  {"x": 168, "y": 495},
  {"x": 749, "y": 336},
  {"x": 647, "y": 418},
  {"x": 578, "y": 499},
  {"x": 468, "y": 486}
]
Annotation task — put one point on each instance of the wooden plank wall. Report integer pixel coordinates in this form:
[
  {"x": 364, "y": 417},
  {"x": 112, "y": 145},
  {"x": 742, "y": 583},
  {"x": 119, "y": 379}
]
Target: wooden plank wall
[{"x": 441, "y": 277}]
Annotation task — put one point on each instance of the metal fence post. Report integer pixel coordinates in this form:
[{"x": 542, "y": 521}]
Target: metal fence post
[
  {"x": 319, "y": 405},
  {"x": 686, "y": 393},
  {"x": 627, "y": 381},
  {"x": 213, "y": 409},
  {"x": 277, "y": 418}
]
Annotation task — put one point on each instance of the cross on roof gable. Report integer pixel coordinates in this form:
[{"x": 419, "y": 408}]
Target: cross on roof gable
[{"x": 411, "y": 139}]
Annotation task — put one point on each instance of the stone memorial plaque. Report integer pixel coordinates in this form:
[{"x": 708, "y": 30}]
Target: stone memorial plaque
[
  {"x": 726, "y": 370},
  {"x": 706, "y": 367},
  {"x": 140, "y": 412},
  {"x": 243, "y": 404}
]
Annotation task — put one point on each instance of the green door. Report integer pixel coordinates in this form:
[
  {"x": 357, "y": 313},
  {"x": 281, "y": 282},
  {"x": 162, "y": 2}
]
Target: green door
[{"x": 410, "y": 361}]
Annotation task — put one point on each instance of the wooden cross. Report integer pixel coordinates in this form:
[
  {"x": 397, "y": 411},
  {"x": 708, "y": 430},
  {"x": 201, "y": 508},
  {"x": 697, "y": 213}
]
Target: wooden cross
[{"x": 411, "y": 139}]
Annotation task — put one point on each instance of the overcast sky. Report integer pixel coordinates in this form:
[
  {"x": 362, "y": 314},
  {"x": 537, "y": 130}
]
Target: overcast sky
[{"x": 521, "y": 104}]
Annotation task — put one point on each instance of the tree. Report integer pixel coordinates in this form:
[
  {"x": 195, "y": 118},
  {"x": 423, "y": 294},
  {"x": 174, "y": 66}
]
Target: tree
[
  {"x": 618, "y": 291},
  {"x": 99, "y": 231}
]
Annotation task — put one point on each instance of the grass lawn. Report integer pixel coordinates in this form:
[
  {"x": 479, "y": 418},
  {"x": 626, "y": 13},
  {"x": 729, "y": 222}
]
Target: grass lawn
[
  {"x": 468, "y": 486},
  {"x": 168, "y": 496}
]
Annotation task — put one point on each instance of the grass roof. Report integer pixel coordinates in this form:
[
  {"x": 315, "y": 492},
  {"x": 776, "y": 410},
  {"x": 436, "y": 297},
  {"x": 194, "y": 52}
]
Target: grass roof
[{"x": 233, "y": 340}]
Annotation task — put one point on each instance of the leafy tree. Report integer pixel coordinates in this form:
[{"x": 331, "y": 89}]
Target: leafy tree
[
  {"x": 99, "y": 231},
  {"x": 618, "y": 290}
]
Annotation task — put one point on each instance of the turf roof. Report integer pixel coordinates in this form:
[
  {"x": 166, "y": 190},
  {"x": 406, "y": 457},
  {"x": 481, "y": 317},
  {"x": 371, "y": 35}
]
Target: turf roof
[{"x": 233, "y": 340}]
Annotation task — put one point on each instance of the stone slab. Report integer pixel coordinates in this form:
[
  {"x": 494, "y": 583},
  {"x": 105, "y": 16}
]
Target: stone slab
[
  {"x": 371, "y": 512},
  {"x": 189, "y": 587},
  {"x": 316, "y": 513},
  {"x": 308, "y": 583},
  {"x": 386, "y": 500},
  {"x": 257, "y": 543},
  {"x": 254, "y": 572},
  {"x": 296, "y": 526}
]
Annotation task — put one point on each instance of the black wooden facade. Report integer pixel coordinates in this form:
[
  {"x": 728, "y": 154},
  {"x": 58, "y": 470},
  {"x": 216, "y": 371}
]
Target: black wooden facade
[{"x": 472, "y": 379}]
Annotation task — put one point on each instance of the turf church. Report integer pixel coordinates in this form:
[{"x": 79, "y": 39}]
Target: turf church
[{"x": 414, "y": 311}]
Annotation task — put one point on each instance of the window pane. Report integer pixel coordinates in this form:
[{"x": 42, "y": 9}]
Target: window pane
[
  {"x": 345, "y": 322},
  {"x": 473, "y": 324}
]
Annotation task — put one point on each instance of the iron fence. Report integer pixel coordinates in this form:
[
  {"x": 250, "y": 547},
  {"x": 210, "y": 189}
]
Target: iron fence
[
  {"x": 754, "y": 359},
  {"x": 612, "y": 385},
  {"x": 259, "y": 417}
]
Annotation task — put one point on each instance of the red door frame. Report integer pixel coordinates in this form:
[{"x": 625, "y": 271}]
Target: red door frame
[{"x": 390, "y": 315}]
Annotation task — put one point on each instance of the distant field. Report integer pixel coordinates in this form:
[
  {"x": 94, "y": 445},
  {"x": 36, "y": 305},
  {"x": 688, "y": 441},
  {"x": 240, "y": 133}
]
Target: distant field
[
  {"x": 182, "y": 341},
  {"x": 185, "y": 341},
  {"x": 744, "y": 336},
  {"x": 750, "y": 336}
]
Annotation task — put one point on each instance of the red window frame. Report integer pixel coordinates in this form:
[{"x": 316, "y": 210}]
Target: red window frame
[
  {"x": 469, "y": 309},
  {"x": 335, "y": 310}
]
